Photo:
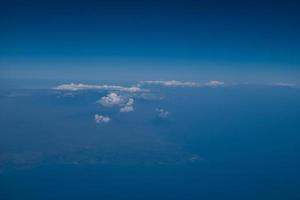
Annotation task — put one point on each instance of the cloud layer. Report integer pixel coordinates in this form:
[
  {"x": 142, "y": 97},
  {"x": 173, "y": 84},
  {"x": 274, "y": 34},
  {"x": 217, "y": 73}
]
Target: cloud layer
[
  {"x": 214, "y": 83},
  {"x": 137, "y": 88},
  {"x": 123, "y": 97},
  {"x": 80, "y": 86},
  {"x": 283, "y": 84},
  {"x": 171, "y": 83}
]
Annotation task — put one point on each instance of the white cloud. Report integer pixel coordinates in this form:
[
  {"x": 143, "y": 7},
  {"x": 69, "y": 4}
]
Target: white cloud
[
  {"x": 283, "y": 84},
  {"x": 126, "y": 109},
  {"x": 80, "y": 86},
  {"x": 130, "y": 102},
  {"x": 101, "y": 119},
  {"x": 112, "y": 99},
  {"x": 128, "y": 106},
  {"x": 147, "y": 96},
  {"x": 161, "y": 113},
  {"x": 171, "y": 83},
  {"x": 214, "y": 83}
]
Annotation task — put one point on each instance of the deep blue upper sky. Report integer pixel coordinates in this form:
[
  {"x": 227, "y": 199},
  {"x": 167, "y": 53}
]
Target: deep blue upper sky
[{"x": 235, "y": 40}]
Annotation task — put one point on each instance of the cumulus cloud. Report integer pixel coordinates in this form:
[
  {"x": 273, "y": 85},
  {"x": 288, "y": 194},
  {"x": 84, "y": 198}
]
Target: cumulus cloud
[
  {"x": 214, "y": 83},
  {"x": 128, "y": 106},
  {"x": 80, "y": 86},
  {"x": 113, "y": 99},
  {"x": 101, "y": 119},
  {"x": 171, "y": 83},
  {"x": 126, "y": 109},
  {"x": 161, "y": 113}
]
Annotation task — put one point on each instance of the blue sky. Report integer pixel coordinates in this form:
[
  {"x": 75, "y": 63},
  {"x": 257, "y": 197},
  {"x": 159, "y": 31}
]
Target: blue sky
[{"x": 254, "y": 41}]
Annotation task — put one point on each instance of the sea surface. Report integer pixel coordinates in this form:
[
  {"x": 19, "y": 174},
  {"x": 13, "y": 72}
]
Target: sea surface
[{"x": 236, "y": 142}]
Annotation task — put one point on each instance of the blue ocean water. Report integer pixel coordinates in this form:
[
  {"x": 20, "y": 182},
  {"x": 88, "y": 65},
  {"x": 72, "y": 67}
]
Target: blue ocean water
[{"x": 238, "y": 142}]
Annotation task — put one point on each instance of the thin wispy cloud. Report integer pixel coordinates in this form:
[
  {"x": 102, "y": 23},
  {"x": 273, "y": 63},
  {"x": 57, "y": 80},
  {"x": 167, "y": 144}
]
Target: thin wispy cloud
[
  {"x": 161, "y": 113},
  {"x": 283, "y": 84},
  {"x": 171, "y": 83},
  {"x": 174, "y": 83},
  {"x": 214, "y": 83}
]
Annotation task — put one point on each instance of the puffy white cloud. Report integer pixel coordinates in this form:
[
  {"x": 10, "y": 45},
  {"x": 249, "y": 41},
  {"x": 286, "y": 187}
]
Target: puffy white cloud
[
  {"x": 128, "y": 106},
  {"x": 161, "y": 113},
  {"x": 171, "y": 83},
  {"x": 80, "y": 86},
  {"x": 126, "y": 109},
  {"x": 112, "y": 99},
  {"x": 130, "y": 102},
  {"x": 101, "y": 119},
  {"x": 214, "y": 83}
]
